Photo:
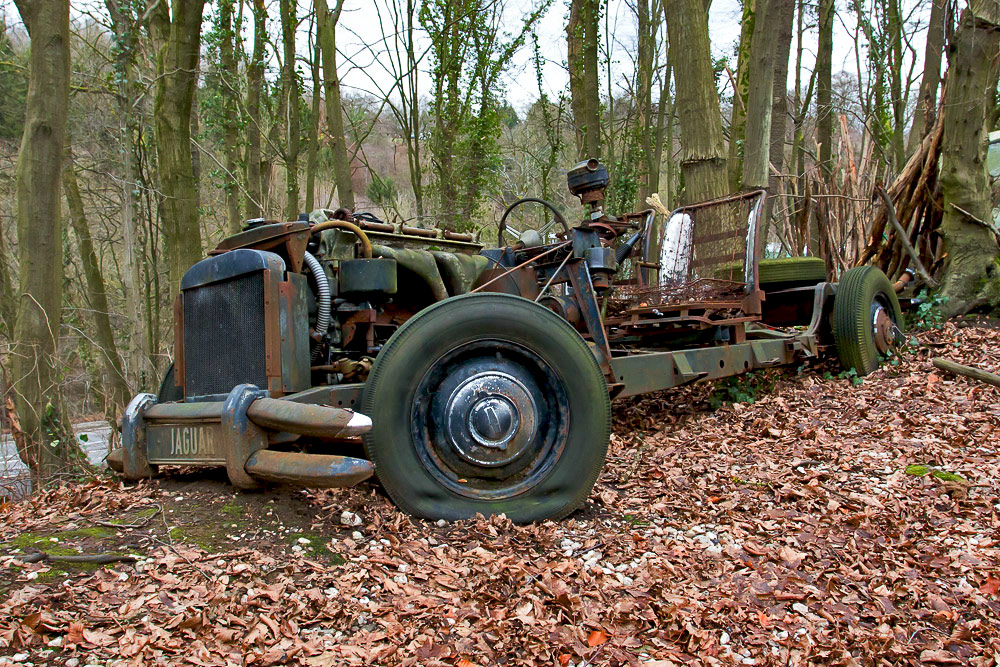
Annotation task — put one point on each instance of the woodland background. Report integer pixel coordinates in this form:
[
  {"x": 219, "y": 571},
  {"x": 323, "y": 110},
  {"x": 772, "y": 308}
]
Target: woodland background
[{"x": 136, "y": 134}]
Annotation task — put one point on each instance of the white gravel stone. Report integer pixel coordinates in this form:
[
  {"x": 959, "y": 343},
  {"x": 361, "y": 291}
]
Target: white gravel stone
[
  {"x": 56, "y": 643},
  {"x": 724, "y": 639},
  {"x": 73, "y": 662},
  {"x": 350, "y": 519},
  {"x": 801, "y": 608},
  {"x": 303, "y": 540},
  {"x": 356, "y": 536},
  {"x": 20, "y": 657},
  {"x": 568, "y": 546},
  {"x": 441, "y": 523}
]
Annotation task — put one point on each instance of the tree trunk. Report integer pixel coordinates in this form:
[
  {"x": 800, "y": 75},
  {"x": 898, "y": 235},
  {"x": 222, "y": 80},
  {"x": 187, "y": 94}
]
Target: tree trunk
[
  {"x": 123, "y": 23},
  {"x": 664, "y": 114},
  {"x": 48, "y": 445},
  {"x": 824, "y": 87},
  {"x": 971, "y": 275},
  {"x": 117, "y": 390},
  {"x": 703, "y": 161},
  {"x": 177, "y": 43},
  {"x": 800, "y": 106},
  {"x": 334, "y": 108},
  {"x": 783, "y": 13},
  {"x": 254, "y": 204},
  {"x": 231, "y": 149},
  {"x": 923, "y": 114},
  {"x": 647, "y": 127},
  {"x": 760, "y": 101},
  {"x": 741, "y": 91},
  {"x": 413, "y": 109},
  {"x": 896, "y": 84},
  {"x": 8, "y": 304},
  {"x": 290, "y": 93},
  {"x": 313, "y": 153},
  {"x": 582, "y": 44}
]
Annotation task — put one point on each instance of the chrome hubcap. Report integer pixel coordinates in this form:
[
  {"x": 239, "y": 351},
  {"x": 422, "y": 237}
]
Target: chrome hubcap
[{"x": 490, "y": 418}]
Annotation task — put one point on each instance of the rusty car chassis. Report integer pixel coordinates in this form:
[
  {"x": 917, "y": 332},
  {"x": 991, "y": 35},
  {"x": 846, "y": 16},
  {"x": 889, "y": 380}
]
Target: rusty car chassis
[{"x": 485, "y": 374}]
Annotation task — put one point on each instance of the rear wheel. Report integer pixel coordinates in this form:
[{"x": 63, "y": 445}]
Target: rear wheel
[
  {"x": 867, "y": 321},
  {"x": 487, "y": 403}
]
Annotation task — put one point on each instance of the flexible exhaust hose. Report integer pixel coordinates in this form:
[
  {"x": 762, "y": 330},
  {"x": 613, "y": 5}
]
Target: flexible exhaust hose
[{"x": 322, "y": 298}]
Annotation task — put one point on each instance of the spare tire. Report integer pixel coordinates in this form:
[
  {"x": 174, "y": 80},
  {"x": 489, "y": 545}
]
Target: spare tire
[
  {"x": 792, "y": 270},
  {"x": 783, "y": 271}
]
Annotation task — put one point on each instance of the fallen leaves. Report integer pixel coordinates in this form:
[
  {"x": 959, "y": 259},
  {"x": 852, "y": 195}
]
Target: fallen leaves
[
  {"x": 596, "y": 638},
  {"x": 781, "y": 532},
  {"x": 990, "y": 587}
]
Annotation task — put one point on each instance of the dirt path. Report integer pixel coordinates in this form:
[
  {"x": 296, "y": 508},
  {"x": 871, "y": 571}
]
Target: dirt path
[{"x": 825, "y": 523}]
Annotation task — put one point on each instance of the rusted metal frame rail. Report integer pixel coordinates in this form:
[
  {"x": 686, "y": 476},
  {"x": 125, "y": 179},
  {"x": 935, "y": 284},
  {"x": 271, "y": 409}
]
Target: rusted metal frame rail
[{"x": 652, "y": 371}]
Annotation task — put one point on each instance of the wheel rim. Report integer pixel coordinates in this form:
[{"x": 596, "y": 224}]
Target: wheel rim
[
  {"x": 883, "y": 324},
  {"x": 489, "y": 420}
]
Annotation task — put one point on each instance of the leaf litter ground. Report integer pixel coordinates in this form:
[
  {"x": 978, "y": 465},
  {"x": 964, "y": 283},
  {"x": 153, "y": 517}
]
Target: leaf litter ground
[{"x": 804, "y": 528}]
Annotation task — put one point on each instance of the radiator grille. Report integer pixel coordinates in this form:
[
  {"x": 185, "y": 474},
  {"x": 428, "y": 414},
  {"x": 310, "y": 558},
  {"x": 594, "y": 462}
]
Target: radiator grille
[{"x": 224, "y": 336}]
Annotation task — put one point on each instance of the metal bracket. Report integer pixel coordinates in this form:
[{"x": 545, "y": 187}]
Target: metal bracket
[
  {"x": 241, "y": 437},
  {"x": 684, "y": 369},
  {"x": 135, "y": 463},
  {"x": 759, "y": 354},
  {"x": 583, "y": 292}
]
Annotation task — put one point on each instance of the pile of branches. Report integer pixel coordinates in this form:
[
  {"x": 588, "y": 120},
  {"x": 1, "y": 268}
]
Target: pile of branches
[
  {"x": 905, "y": 230},
  {"x": 829, "y": 214},
  {"x": 849, "y": 218}
]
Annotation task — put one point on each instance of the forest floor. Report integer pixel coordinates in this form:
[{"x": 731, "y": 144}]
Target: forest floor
[{"x": 827, "y": 522}]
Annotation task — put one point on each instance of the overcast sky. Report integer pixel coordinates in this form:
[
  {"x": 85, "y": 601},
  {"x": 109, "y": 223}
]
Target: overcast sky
[
  {"x": 359, "y": 23},
  {"x": 724, "y": 27}
]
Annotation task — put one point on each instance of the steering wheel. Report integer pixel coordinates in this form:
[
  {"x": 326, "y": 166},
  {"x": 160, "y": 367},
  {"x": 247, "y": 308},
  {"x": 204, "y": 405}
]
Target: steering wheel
[{"x": 502, "y": 226}]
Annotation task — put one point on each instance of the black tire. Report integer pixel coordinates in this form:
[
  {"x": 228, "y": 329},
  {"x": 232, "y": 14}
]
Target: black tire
[
  {"x": 804, "y": 270},
  {"x": 168, "y": 390},
  {"x": 782, "y": 272},
  {"x": 529, "y": 380},
  {"x": 867, "y": 320}
]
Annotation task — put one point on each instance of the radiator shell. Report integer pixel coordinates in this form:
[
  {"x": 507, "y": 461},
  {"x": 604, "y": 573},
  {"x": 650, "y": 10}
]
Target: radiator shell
[{"x": 241, "y": 318}]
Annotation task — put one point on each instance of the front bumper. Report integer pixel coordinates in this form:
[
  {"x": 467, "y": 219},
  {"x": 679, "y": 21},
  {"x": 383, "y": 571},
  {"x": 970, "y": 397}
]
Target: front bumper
[{"x": 235, "y": 433}]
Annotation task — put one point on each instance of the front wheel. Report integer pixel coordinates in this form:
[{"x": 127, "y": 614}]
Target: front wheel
[
  {"x": 867, "y": 321},
  {"x": 491, "y": 404}
]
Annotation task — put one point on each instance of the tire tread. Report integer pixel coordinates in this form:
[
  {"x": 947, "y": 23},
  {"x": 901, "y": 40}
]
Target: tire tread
[{"x": 385, "y": 360}]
